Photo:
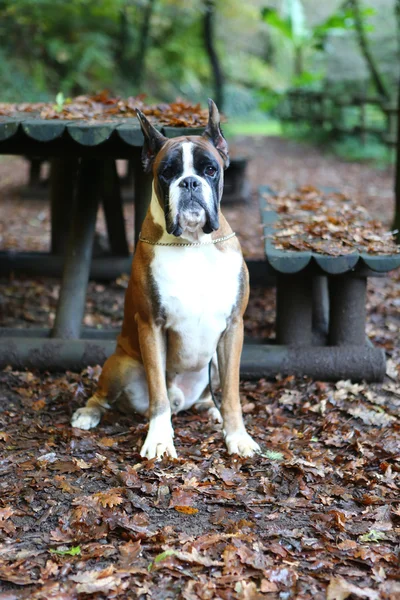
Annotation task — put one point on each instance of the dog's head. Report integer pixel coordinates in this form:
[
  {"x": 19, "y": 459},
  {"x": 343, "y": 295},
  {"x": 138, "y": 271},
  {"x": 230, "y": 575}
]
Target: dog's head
[{"x": 188, "y": 174}]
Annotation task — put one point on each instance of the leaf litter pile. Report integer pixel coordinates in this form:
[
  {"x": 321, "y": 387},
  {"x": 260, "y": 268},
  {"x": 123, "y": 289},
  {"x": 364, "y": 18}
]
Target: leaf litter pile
[
  {"x": 102, "y": 106},
  {"x": 327, "y": 223},
  {"x": 82, "y": 515}
]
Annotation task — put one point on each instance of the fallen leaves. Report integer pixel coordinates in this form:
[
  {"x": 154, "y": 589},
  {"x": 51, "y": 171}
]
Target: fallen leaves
[
  {"x": 109, "y": 498},
  {"x": 186, "y": 510},
  {"x": 340, "y": 589},
  {"x": 322, "y": 499},
  {"x": 6, "y": 525},
  {"x": 91, "y": 582},
  {"x": 331, "y": 224},
  {"x": 192, "y": 557},
  {"x": 103, "y": 107},
  {"x": 371, "y": 417},
  {"x": 392, "y": 370}
]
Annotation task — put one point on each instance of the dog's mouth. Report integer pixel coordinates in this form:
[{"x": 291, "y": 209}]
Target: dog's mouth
[
  {"x": 192, "y": 218},
  {"x": 193, "y": 215}
]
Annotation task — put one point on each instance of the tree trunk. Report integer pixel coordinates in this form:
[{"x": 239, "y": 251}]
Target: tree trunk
[
  {"x": 123, "y": 41},
  {"x": 397, "y": 16},
  {"x": 209, "y": 38},
  {"x": 298, "y": 61},
  {"x": 365, "y": 50},
  {"x": 396, "y": 224},
  {"x": 139, "y": 62}
]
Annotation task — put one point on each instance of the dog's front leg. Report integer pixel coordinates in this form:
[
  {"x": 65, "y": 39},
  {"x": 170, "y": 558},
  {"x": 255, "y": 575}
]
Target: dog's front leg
[
  {"x": 159, "y": 438},
  {"x": 229, "y": 351}
]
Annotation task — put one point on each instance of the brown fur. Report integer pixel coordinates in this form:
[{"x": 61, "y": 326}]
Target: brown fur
[{"x": 142, "y": 336}]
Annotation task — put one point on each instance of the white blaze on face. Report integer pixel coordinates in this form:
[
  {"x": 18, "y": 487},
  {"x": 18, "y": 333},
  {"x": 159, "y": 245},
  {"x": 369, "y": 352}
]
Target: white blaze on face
[{"x": 193, "y": 219}]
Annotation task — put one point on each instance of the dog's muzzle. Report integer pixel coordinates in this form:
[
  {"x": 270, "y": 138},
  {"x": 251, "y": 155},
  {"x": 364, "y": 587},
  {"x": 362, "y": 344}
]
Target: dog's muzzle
[
  {"x": 191, "y": 215},
  {"x": 193, "y": 211}
]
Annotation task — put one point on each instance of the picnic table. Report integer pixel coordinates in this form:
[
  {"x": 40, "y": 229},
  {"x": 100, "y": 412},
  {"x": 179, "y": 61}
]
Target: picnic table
[
  {"x": 320, "y": 299},
  {"x": 93, "y": 146},
  {"x": 82, "y": 154},
  {"x": 321, "y": 302}
]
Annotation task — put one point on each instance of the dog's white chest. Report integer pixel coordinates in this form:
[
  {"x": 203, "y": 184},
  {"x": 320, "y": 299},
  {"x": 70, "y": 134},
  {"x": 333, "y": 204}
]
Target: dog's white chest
[{"x": 198, "y": 288}]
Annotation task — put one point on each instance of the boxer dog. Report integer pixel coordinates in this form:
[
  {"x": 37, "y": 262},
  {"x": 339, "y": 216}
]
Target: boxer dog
[{"x": 185, "y": 300}]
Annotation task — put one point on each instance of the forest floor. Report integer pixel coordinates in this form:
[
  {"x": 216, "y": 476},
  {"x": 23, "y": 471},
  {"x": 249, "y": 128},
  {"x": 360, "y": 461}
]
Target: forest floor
[{"x": 316, "y": 516}]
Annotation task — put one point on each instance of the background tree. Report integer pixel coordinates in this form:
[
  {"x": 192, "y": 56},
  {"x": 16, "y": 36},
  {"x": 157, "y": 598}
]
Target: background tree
[
  {"x": 397, "y": 17},
  {"x": 376, "y": 77},
  {"x": 292, "y": 25},
  {"x": 396, "y": 223},
  {"x": 162, "y": 48},
  {"x": 143, "y": 44},
  {"x": 209, "y": 43}
]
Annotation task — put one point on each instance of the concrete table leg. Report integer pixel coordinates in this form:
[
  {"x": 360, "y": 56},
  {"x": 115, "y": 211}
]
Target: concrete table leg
[
  {"x": 347, "y": 297},
  {"x": 71, "y": 303},
  {"x": 294, "y": 310},
  {"x": 34, "y": 171},
  {"x": 320, "y": 314},
  {"x": 113, "y": 210},
  {"x": 62, "y": 184},
  {"x": 142, "y": 192}
]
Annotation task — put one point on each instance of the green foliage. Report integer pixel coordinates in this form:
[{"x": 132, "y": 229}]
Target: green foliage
[
  {"x": 371, "y": 150},
  {"x": 160, "y": 557},
  {"x": 83, "y": 46},
  {"x": 55, "y": 49},
  {"x": 291, "y": 25},
  {"x": 273, "y": 455},
  {"x": 59, "y": 45},
  {"x": 60, "y": 101},
  {"x": 74, "y": 551},
  {"x": 257, "y": 125},
  {"x": 373, "y": 536},
  {"x": 338, "y": 23},
  {"x": 348, "y": 148},
  {"x": 15, "y": 83}
]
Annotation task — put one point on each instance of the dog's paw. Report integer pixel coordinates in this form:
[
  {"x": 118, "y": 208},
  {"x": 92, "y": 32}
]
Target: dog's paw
[
  {"x": 159, "y": 439},
  {"x": 156, "y": 449},
  {"x": 86, "y": 417},
  {"x": 241, "y": 443},
  {"x": 215, "y": 415}
]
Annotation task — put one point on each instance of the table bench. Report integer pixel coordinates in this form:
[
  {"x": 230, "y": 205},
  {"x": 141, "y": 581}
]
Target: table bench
[{"x": 320, "y": 310}]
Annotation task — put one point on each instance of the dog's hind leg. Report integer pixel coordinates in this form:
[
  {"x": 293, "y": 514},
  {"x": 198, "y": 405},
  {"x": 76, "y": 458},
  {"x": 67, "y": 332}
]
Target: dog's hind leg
[
  {"x": 206, "y": 401},
  {"x": 206, "y": 404},
  {"x": 121, "y": 375}
]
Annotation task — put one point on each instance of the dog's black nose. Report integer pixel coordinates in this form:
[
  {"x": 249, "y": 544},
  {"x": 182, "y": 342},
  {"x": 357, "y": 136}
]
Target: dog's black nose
[{"x": 190, "y": 183}]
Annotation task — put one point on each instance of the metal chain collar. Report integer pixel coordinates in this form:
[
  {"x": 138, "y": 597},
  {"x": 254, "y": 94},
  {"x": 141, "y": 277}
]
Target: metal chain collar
[{"x": 216, "y": 241}]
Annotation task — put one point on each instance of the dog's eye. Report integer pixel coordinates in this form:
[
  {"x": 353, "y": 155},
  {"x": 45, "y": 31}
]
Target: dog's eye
[
  {"x": 168, "y": 173},
  {"x": 210, "y": 171}
]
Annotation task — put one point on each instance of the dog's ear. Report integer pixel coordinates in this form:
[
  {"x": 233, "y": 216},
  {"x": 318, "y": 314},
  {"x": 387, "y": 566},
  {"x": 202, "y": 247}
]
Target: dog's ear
[
  {"x": 153, "y": 141},
  {"x": 214, "y": 134}
]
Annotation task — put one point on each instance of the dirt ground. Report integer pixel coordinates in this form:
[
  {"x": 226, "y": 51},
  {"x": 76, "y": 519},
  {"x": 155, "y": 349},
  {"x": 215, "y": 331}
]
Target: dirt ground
[{"x": 316, "y": 516}]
